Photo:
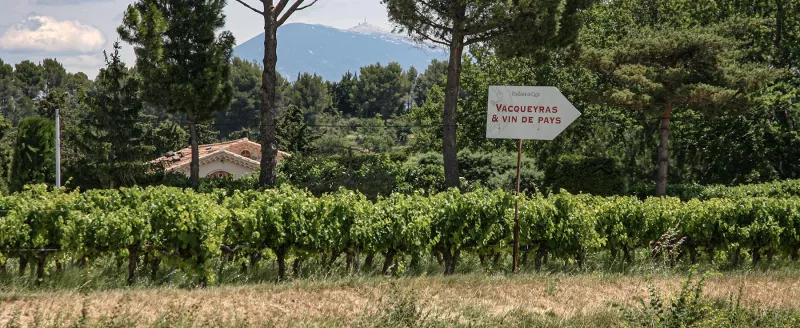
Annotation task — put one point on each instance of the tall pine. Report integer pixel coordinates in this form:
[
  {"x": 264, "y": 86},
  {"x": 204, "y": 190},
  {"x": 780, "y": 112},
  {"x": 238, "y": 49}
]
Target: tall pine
[
  {"x": 183, "y": 58},
  {"x": 115, "y": 144},
  {"x": 661, "y": 70}
]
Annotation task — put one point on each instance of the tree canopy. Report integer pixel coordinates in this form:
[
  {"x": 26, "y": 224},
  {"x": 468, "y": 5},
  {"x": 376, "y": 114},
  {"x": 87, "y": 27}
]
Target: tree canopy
[{"x": 183, "y": 58}]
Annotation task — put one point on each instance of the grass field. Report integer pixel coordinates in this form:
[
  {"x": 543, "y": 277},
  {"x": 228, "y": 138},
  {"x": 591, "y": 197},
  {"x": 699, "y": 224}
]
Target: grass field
[
  {"x": 604, "y": 293},
  {"x": 470, "y": 300}
]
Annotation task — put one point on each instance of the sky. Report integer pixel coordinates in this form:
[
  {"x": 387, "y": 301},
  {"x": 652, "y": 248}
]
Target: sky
[{"x": 77, "y": 31}]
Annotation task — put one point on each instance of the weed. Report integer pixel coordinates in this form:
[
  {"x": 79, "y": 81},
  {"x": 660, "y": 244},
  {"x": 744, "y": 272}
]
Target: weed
[
  {"x": 552, "y": 287},
  {"x": 688, "y": 308}
]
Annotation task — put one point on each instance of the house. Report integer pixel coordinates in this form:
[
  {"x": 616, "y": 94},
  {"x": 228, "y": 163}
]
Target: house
[{"x": 232, "y": 158}]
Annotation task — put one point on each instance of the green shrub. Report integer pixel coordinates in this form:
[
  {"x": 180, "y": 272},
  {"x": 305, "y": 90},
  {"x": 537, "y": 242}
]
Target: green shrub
[{"x": 596, "y": 175}]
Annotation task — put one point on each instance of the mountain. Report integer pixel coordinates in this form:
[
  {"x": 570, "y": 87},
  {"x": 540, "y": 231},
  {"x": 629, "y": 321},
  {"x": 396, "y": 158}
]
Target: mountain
[{"x": 331, "y": 52}]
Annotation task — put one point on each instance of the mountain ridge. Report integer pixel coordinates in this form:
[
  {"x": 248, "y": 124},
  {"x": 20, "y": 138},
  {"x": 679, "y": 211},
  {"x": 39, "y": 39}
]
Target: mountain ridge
[{"x": 331, "y": 52}]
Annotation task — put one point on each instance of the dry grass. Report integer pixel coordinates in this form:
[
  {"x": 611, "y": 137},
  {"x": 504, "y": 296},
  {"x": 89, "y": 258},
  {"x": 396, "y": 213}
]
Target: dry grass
[{"x": 307, "y": 302}]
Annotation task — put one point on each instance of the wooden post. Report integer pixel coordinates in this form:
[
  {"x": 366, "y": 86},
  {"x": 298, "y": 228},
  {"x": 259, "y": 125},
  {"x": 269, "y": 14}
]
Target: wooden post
[{"x": 516, "y": 208}]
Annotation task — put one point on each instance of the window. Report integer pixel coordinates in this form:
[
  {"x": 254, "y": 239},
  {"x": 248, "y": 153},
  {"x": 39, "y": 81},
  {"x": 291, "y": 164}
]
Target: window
[
  {"x": 246, "y": 153},
  {"x": 218, "y": 174}
]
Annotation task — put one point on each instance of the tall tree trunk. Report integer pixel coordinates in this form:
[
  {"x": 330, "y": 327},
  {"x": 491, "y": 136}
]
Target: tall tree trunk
[
  {"x": 269, "y": 145},
  {"x": 194, "y": 166},
  {"x": 449, "y": 117},
  {"x": 663, "y": 154}
]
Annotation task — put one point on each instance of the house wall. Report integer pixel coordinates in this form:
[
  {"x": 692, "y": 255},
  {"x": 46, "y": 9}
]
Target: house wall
[
  {"x": 236, "y": 170},
  {"x": 254, "y": 149}
]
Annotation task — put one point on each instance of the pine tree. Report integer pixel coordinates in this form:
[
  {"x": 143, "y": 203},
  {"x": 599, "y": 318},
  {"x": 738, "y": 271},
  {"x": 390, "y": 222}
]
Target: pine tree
[
  {"x": 114, "y": 140},
  {"x": 184, "y": 63},
  {"x": 660, "y": 70}
]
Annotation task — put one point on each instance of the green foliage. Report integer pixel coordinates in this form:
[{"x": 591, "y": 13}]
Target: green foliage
[
  {"x": 187, "y": 228},
  {"x": 310, "y": 93},
  {"x": 7, "y": 138},
  {"x": 382, "y": 90},
  {"x": 494, "y": 170},
  {"x": 692, "y": 67},
  {"x": 115, "y": 141},
  {"x": 373, "y": 175},
  {"x": 479, "y": 221},
  {"x": 401, "y": 223},
  {"x": 601, "y": 176},
  {"x": 345, "y": 93},
  {"x": 190, "y": 230},
  {"x": 777, "y": 189},
  {"x": 167, "y": 136},
  {"x": 374, "y": 135},
  {"x": 246, "y": 101},
  {"x": 295, "y": 135},
  {"x": 183, "y": 60},
  {"x": 458, "y": 24},
  {"x": 656, "y": 70},
  {"x": 434, "y": 75},
  {"x": 621, "y": 220},
  {"x": 29, "y": 78},
  {"x": 428, "y": 117},
  {"x": 34, "y": 153}
]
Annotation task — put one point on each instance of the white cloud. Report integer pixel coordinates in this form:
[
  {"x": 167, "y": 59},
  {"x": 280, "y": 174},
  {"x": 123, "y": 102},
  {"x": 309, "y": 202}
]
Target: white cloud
[{"x": 45, "y": 34}]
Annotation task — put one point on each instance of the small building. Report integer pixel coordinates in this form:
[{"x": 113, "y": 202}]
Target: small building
[{"x": 232, "y": 158}]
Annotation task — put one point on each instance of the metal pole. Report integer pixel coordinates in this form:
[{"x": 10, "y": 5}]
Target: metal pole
[
  {"x": 58, "y": 151},
  {"x": 516, "y": 208}
]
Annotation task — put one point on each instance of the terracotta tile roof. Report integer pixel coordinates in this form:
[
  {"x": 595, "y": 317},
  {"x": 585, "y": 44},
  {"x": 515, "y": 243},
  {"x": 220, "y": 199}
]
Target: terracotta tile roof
[{"x": 238, "y": 148}]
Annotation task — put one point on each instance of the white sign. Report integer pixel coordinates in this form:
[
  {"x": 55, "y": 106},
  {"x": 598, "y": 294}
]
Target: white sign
[{"x": 539, "y": 113}]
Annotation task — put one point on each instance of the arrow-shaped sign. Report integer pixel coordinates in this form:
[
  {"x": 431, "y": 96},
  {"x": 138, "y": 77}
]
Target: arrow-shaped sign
[{"x": 518, "y": 112}]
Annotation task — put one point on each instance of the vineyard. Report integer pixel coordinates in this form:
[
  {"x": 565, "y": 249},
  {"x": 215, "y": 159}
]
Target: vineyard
[{"x": 186, "y": 230}]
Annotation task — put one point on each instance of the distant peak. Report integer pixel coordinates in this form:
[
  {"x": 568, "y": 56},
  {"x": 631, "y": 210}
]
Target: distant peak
[{"x": 367, "y": 28}]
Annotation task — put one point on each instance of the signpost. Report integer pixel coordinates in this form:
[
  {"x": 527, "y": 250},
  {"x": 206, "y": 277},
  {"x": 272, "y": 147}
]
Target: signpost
[{"x": 533, "y": 113}]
